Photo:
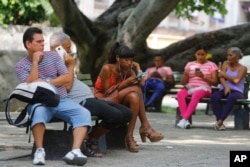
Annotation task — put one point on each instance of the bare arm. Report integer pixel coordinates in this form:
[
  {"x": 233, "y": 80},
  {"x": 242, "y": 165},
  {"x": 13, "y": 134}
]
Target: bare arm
[
  {"x": 235, "y": 80},
  {"x": 36, "y": 58},
  {"x": 137, "y": 67},
  {"x": 105, "y": 77},
  {"x": 213, "y": 80},
  {"x": 70, "y": 63},
  {"x": 185, "y": 77}
]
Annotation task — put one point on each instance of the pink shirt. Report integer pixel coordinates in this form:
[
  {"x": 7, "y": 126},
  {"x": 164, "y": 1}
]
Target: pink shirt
[
  {"x": 206, "y": 68},
  {"x": 163, "y": 71}
]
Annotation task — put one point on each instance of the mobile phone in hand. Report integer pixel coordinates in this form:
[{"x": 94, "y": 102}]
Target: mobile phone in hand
[
  {"x": 140, "y": 75},
  {"x": 60, "y": 51},
  {"x": 197, "y": 69}
]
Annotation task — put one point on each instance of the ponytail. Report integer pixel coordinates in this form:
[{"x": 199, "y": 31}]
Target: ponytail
[
  {"x": 121, "y": 51},
  {"x": 113, "y": 52}
]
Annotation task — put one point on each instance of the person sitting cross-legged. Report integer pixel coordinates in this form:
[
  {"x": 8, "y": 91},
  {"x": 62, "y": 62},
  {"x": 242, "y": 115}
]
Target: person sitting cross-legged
[{"x": 119, "y": 73}]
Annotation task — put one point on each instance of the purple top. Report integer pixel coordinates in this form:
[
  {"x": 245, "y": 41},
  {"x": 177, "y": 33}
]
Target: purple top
[
  {"x": 238, "y": 87},
  {"x": 51, "y": 66}
]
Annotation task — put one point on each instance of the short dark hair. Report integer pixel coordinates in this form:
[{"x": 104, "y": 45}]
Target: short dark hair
[
  {"x": 201, "y": 47},
  {"x": 159, "y": 55},
  {"x": 121, "y": 51},
  {"x": 29, "y": 33}
]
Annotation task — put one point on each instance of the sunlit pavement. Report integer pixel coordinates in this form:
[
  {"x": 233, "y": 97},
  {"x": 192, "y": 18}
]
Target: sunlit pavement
[{"x": 197, "y": 147}]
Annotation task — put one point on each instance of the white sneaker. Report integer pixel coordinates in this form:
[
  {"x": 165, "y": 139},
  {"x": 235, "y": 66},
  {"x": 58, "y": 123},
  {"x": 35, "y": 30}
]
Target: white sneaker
[
  {"x": 75, "y": 157},
  {"x": 39, "y": 157},
  {"x": 184, "y": 124}
]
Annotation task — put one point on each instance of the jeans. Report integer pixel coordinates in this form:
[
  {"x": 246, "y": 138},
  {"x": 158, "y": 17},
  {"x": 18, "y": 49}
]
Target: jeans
[
  {"x": 67, "y": 110},
  {"x": 158, "y": 87}
]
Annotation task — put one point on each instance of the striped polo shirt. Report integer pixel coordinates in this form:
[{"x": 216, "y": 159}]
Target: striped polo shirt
[
  {"x": 206, "y": 68},
  {"x": 51, "y": 66}
]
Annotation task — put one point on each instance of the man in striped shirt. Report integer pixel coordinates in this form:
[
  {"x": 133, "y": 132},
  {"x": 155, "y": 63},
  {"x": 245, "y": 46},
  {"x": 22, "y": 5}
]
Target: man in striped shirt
[{"x": 49, "y": 67}]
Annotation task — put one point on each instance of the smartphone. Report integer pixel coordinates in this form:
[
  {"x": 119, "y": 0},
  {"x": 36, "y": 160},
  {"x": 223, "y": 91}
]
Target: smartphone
[
  {"x": 60, "y": 51},
  {"x": 197, "y": 69},
  {"x": 140, "y": 75}
]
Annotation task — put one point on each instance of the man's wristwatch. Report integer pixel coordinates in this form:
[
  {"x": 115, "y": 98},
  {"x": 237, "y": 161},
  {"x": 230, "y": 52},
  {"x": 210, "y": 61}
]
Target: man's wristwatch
[{"x": 47, "y": 80}]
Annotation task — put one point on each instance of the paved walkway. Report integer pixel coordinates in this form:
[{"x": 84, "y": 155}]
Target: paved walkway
[{"x": 200, "y": 146}]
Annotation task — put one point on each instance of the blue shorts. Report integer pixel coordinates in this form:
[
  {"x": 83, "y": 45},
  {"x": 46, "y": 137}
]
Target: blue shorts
[{"x": 67, "y": 110}]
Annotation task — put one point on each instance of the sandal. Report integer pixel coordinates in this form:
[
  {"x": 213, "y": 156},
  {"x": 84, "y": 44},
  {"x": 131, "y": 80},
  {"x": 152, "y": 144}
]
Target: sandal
[{"x": 89, "y": 151}]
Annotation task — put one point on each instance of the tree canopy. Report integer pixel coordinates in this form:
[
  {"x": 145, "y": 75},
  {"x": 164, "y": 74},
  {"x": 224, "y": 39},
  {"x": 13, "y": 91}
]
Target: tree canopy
[{"x": 26, "y": 12}]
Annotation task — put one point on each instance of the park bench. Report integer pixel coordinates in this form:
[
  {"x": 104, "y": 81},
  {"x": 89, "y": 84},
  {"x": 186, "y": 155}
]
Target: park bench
[{"x": 240, "y": 111}]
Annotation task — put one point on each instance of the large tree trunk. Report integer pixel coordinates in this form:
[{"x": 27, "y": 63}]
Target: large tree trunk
[
  {"x": 131, "y": 22},
  {"x": 125, "y": 21}
]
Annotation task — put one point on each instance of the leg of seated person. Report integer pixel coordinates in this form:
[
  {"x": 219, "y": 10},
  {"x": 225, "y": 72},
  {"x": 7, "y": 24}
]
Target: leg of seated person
[
  {"x": 80, "y": 119},
  {"x": 181, "y": 99},
  {"x": 195, "y": 98},
  {"x": 39, "y": 115},
  {"x": 217, "y": 109},
  {"x": 231, "y": 99},
  {"x": 146, "y": 130},
  {"x": 126, "y": 112},
  {"x": 79, "y": 133},
  {"x": 215, "y": 103},
  {"x": 158, "y": 88},
  {"x": 131, "y": 100},
  {"x": 38, "y": 133},
  {"x": 112, "y": 115}
]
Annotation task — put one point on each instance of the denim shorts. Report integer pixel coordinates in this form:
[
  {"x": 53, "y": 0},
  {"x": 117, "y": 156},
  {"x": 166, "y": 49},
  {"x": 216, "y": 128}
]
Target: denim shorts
[{"x": 67, "y": 110}]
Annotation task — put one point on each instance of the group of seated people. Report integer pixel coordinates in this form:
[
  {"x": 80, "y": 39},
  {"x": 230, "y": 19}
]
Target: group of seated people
[
  {"x": 198, "y": 78},
  {"x": 117, "y": 77},
  {"x": 201, "y": 74}
]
